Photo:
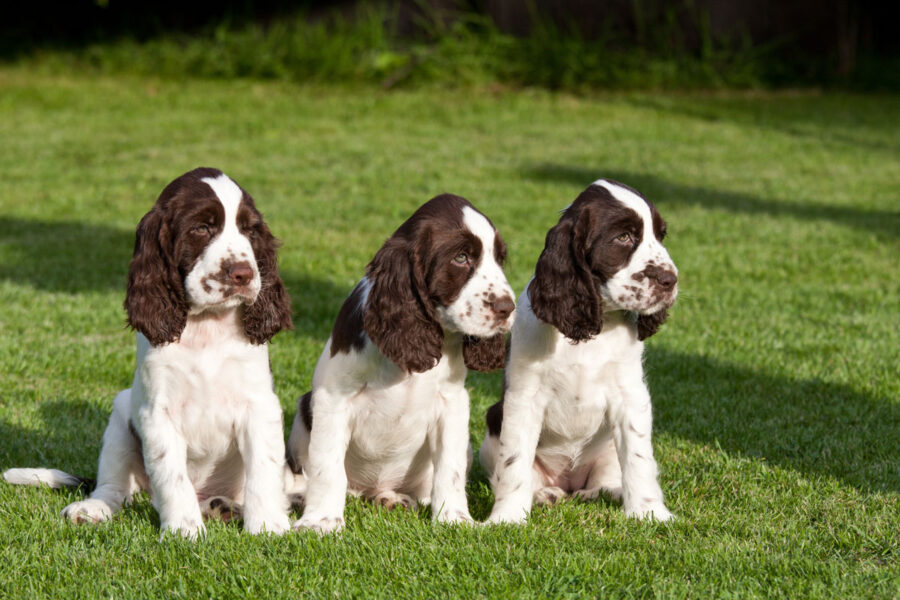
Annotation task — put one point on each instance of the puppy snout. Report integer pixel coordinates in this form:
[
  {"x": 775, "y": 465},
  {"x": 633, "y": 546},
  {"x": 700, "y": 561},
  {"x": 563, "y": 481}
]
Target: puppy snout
[
  {"x": 240, "y": 273},
  {"x": 666, "y": 279},
  {"x": 503, "y": 307}
]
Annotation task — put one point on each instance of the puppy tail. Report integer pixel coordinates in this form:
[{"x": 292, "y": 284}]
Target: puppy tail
[{"x": 54, "y": 478}]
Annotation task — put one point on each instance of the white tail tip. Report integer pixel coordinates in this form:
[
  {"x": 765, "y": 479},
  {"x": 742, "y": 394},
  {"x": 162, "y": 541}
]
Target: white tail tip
[{"x": 52, "y": 477}]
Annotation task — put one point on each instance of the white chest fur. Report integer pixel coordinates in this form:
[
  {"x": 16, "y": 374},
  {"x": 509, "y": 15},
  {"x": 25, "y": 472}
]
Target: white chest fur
[
  {"x": 206, "y": 385},
  {"x": 391, "y": 417}
]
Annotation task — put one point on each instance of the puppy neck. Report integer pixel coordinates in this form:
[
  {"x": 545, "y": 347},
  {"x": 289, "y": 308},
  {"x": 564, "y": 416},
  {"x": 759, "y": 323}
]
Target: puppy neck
[{"x": 211, "y": 327}]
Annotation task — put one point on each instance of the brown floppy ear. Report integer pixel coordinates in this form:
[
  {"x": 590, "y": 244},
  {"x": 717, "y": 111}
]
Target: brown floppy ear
[
  {"x": 647, "y": 325},
  {"x": 485, "y": 354},
  {"x": 396, "y": 317},
  {"x": 563, "y": 292},
  {"x": 155, "y": 298},
  {"x": 271, "y": 312}
]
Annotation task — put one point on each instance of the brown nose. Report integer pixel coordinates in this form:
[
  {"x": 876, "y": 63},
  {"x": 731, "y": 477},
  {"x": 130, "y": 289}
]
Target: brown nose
[
  {"x": 666, "y": 279},
  {"x": 240, "y": 273},
  {"x": 503, "y": 307}
]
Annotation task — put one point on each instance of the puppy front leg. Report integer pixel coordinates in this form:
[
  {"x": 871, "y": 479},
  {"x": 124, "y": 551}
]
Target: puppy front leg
[
  {"x": 641, "y": 495},
  {"x": 326, "y": 491},
  {"x": 165, "y": 459},
  {"x": 119, "y": 468},
  {"x": 262, "y": 449},
  {"x": 450, "y": 448},
  {"x": 513, "y": 476}
]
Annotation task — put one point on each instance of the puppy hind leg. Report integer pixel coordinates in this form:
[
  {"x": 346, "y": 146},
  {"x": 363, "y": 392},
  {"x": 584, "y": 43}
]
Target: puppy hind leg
[
  {"x": 221, "y": 507},
  {"x": 297, "y": 448},
  {"x": 422, "y": 490},
  {"x": 390, "y": 500},
  {"x": 545, "y": 491},
  {"x": 548, "y": 496},
  {"x": 297, "y": 453},
  {"x": 294, "y": 487},
  {"x": 487, "y": 454},
  {"x": 605, "y": 477}
]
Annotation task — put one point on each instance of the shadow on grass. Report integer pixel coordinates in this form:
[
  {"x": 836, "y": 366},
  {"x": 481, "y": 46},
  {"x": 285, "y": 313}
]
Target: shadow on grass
[
  {"x": 315, "y": 303},
  {"x": 810, "y": 426},
  {"x": 64, "y": 256},
  {"x": 75, "y": 257},
  {"x": 834, "y": 121},
  {"x": 68, "y": 437},
  {"x": 666, "y": 194}
]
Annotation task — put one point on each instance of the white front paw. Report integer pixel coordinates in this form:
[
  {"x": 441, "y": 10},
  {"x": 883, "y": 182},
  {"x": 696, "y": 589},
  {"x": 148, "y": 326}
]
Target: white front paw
[
  {"x": 187, "y": 527},
  {"x": 276, "y": 524},
  {"x": 454, "y": 516},
  {"x": 391, "y": 500},
  {"x": 549, "y": 495},
  {"x": 507, "y": 515},
  {"x": 656, "y": 511},
  {"x": 87, "y": 511},
  {"x": 321, "y": 524}
]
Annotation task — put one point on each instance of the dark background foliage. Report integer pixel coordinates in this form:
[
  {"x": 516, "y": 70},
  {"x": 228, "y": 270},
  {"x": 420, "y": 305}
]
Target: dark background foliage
[{"x": 712, "y": 43}]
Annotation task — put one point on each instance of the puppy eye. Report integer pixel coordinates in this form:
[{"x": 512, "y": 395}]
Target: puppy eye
[
  {"x": 461, "y": 258},
  {"x": 624, "y": 238},
  {"x": 200, "y": 229}
]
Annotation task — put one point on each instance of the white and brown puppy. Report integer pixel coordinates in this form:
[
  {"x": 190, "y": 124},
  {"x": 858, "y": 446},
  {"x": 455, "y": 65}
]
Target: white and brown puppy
[
  {"x": 388, "y": 415},
  {"x": 575, "y": 417},
  {"x": 201, "y": 420}
]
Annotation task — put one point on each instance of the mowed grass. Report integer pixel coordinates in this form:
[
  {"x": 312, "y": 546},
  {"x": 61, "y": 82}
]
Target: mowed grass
[{"x": 774, "y": 383}]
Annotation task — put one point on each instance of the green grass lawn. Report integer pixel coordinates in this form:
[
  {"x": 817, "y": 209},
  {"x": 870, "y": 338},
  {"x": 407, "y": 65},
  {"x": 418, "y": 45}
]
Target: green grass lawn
[{"x": 775, "y": 382}]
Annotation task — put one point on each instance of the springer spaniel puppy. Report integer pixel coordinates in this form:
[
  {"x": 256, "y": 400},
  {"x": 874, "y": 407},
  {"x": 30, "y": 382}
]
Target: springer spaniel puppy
[
  {"x": 388, "y": 415},
  {"x": 575, "y": 415},
  {"x": 201, "y": 420}
]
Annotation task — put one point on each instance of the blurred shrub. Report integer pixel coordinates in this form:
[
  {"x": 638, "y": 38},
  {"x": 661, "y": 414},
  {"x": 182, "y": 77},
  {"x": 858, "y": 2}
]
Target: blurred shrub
[{"x": 466, "y": 49}]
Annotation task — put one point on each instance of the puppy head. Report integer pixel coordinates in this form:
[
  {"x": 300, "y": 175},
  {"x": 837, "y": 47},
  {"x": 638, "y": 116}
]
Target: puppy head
[
  {"x": 204, "y": 246},
  {"x": 441, "y": 270},
  {"x": 605, "y": 254}
]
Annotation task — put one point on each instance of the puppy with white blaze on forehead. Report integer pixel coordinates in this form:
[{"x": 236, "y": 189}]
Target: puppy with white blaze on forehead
[
  {"x": 575, "y": 415},
  {"x": 388, "y": 415},
  {"x": 201, "y": 426}
]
